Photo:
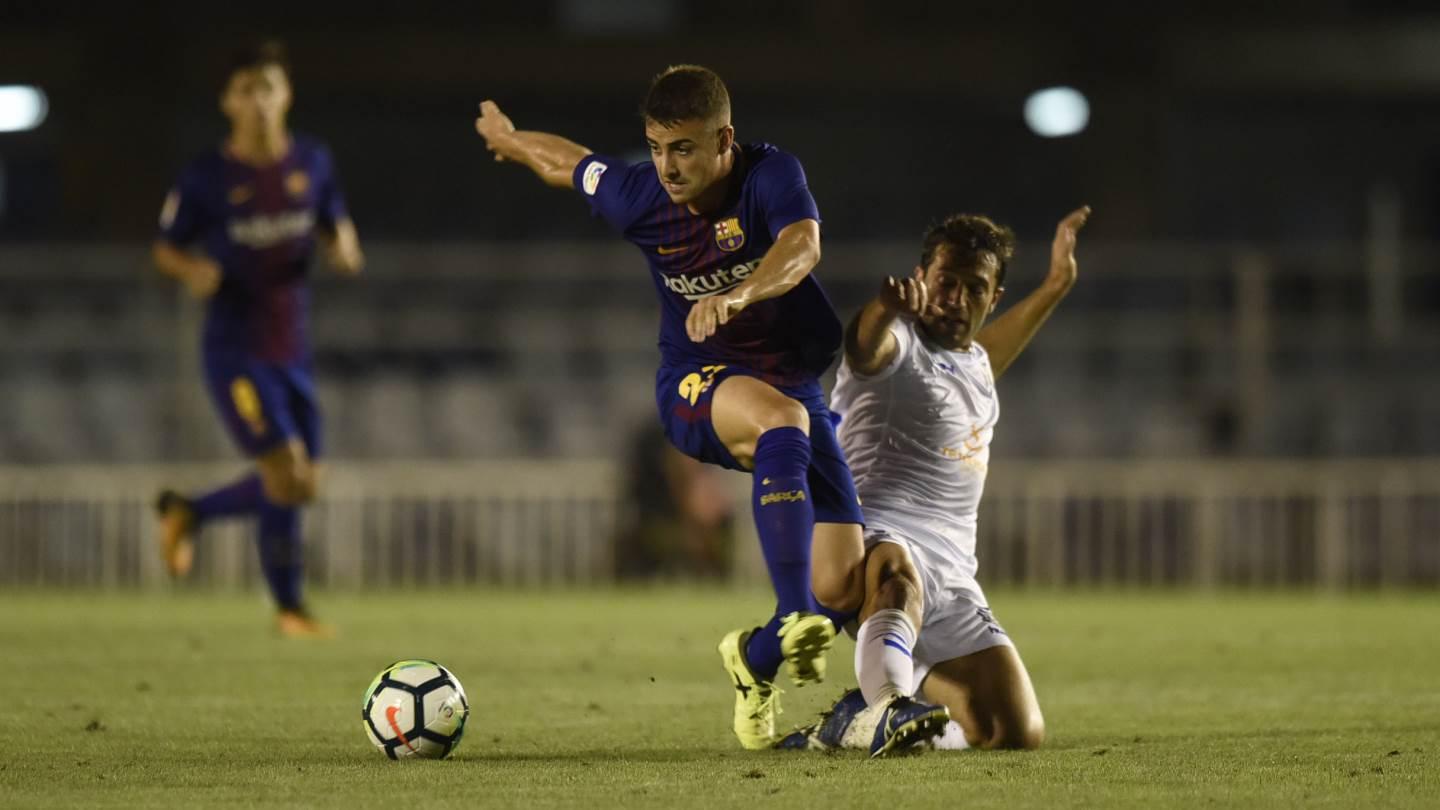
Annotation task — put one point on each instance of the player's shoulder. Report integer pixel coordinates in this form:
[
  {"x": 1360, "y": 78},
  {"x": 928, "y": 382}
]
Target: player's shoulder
[
  {"x": 760, "y": 151},
  {"x": 202, "y": 168},
  {"x": 636, "y": 184},
  {"x": 771, "y": 174},
  {"x": 309, "y": 149},
  {"x": 306, "y": 144},
  {"x": 768, "y": 160}
]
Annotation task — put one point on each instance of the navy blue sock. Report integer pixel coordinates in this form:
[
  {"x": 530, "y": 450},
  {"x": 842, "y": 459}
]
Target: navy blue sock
[
  {"x": 785, "y": 521},
  {"x": 762, "y": 649},
  {"x": 281, "y": 555},
  {"x": 241, "y": 497}
]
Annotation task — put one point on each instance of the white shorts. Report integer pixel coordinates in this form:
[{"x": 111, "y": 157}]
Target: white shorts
[{"x": 957, "y": 618}]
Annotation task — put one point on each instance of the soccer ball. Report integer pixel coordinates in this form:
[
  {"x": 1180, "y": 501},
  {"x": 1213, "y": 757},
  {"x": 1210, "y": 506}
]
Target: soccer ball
[{"x": 415, "y": 709}]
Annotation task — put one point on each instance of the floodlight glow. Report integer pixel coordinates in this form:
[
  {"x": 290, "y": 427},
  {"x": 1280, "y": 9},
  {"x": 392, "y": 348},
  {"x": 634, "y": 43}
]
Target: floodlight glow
[
  {"x": 1056, "y": 112},
  {"x": 22, "y": 107}
]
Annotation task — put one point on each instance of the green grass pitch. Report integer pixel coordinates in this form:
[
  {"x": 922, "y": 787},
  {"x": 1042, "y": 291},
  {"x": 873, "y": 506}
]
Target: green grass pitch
[{"x": 616, "y": 699}]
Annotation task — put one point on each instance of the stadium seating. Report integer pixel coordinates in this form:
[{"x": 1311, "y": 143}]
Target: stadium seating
[{"x": 490, "y": 350}]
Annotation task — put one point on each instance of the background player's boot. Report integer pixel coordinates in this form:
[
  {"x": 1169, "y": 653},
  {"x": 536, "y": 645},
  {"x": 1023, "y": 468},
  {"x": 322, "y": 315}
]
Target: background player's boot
[
  {"x": 829, "y": 733},
  {"x": 300, "y": 624},
  {"x": 756, "y": 701},
  {"x": 900, "y": 724},
  {"x": 176, "y": 532},
  {"x": 804, "y": 640}
]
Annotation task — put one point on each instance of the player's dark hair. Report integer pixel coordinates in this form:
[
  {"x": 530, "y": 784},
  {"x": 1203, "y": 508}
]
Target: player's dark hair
[
  {"x": 965, "y": 237},
  {"x": 264, "y": 53},
  {"x": 684, "y": 93}
]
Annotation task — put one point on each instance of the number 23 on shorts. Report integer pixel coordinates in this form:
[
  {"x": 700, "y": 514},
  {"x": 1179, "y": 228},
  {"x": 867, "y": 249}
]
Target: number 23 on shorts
[
  {"x": 247, "y": 404},
  {"x": 698, "y": 383}
]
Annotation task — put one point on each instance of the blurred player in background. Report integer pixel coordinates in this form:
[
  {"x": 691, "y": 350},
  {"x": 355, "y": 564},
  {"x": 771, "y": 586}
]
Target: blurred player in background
[
  {"x": 681, "y": 520},
  {"x": 731, "y": 234},
  {"x": 917, "y": 392},
  {"x": 239, "y": 230}
]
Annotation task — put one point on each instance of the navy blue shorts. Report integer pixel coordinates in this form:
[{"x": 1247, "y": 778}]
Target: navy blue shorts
[
  {"x": 263, "y": 405},
  {"x": 683, "y": 394}
]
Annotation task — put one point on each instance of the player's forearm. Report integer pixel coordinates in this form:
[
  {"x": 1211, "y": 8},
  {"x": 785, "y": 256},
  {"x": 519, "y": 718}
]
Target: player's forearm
[
  {"x": 343, "y": 247},
  {"x": 551, "y": 157},
  {"x": 869, "y": 346},
  {"x": 1008, "y": 335},
  {"x": 176, "y": 263},
  {"x": 795, "y": 253}
]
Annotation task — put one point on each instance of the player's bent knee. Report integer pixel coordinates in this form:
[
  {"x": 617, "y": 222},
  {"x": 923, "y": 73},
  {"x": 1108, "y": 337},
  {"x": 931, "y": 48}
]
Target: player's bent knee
[
  {"x": 892, "y": 582},
  {"x": 305, "y": 486},
  {"x": 1026, "y": 735},
  {"x": 275, "y": 487},
  {"x": 1024, "y": 732},
  {"x": 782, "y": 413},
  {"x": 895, "y": 592},
  {"x": 293, "y": 485},
  {"x": 899, "y": 572},
  {"x": 287, "y": 475},
  {"x": 838, "y": 589},
  {"x": 1034, "y": 735}
]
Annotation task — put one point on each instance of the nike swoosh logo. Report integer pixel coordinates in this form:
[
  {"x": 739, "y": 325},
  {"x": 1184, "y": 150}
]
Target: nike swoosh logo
[
  {"x": 390, "y": 713},
  {"x": 664, "y": 251}
]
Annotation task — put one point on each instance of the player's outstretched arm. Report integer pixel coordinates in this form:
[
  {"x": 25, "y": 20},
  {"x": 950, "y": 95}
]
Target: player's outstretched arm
[
  {"x": 199, "y": 274},
  {"x": 342, "y": 248},
  {"x": 1008, "y": 335},
  {"x": 869, "y": 344},
  {"x": 551, "y": 157},
  {"x": 795, "y": 253}
]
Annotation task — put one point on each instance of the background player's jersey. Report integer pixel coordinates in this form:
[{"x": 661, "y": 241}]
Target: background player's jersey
[
  {"x": 786, "y": 340},
  {"x": 917, "y": 436},
  {"x": 259, "y": 224}
]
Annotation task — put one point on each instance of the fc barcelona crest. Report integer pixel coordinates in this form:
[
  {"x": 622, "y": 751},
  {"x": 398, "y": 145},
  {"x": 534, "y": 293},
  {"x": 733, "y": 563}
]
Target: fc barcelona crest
[
  {"x": 297, "y": 183},
  {"x": 728, "y": 234}
]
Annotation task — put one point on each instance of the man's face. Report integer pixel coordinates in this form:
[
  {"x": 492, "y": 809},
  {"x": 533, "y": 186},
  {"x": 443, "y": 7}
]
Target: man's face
[
  {"x": 961, "y": 297},
  {"x": 257, "y": 97},
  {"x": 688, "y": 157}
]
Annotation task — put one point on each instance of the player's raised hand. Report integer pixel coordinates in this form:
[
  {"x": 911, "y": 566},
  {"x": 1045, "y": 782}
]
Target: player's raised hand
[
  {"x": 709, "y": 314},
  {"x": 905, "y": 296},
  {"x": 493, "y": 125},
  {"x": 1062, "y": 251},
  {"x": 202, "y": 279}
]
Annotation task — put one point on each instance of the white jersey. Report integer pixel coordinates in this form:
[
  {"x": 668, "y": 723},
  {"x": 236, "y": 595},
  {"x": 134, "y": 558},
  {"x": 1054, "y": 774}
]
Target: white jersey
[{"x": 917, "y": 437}]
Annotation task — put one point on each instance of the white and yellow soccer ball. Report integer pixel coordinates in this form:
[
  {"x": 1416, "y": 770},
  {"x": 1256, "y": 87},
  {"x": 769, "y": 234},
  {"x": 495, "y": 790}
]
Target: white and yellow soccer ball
[{"x": 415, "y": 708}]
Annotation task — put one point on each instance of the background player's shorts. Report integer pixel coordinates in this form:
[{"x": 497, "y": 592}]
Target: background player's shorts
[
  {"x": 957, "y": 616},
  {"x": 264, "y": 405},
  {"x": 683, "y": 394}
]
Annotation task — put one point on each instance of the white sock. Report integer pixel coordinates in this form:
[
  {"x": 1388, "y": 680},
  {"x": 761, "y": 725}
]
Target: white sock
[
  {"x": 883, "y": 661},
  {"x": 951, "y": 739}
]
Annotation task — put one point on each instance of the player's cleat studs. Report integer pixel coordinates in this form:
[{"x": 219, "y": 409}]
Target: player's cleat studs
[
  {"x": 905, "y": 723},
  {"x": 804, "y": 640}
]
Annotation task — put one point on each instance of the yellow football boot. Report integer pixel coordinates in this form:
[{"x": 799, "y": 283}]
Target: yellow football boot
[{"x": 757, "y": 702}]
